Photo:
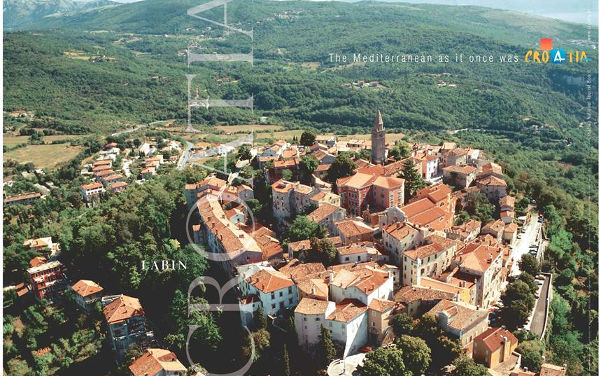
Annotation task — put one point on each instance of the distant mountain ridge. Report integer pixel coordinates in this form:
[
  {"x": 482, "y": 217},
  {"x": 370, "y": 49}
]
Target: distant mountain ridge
[{"x": 22, "y": 13}]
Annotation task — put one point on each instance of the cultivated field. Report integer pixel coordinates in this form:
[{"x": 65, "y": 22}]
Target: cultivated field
[{"x": 44, "y": 156}]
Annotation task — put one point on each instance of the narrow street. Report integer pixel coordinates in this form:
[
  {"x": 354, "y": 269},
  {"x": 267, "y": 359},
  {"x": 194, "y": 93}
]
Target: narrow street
[{"x": 523, "y": 245}]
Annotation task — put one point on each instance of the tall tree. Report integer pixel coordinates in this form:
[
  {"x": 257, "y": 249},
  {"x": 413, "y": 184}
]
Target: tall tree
[
  {"x": 402, "y": 324},
  {"x": 322, "y": 250},
  {"x": 465, "y": 366},
  {"x": 342, "y": 166},
  {"x": 307, "y": 166},
  {"x": 307, "y": 138},
  {"x": 286, "y": 361},
  {"x": 529, "y": 264},
  {"x": 244, "y": 153},
  {"x": 416, "y": 354},
  {"x": 302, "y": 229},
  {"x": 326, "y": 351},
  {"x": 413, "y": 179},
  {"x": 384, "y": 361}
]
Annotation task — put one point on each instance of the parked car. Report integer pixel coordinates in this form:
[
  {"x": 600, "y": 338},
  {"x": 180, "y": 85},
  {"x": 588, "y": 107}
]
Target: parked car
[{"x": 539, "y": 282}]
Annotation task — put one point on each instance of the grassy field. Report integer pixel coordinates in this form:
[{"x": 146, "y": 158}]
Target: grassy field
[
  {"x": 12, "y": 140},
  {"x": 44, "y": 156}
]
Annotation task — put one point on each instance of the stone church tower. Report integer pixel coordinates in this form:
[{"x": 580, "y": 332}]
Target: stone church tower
[{"x": 378, "y": 141}]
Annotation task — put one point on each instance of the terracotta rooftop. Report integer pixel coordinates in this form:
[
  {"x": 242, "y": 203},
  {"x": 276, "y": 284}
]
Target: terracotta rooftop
[
  {"x": 463, "y": 170},
  {"x": 352, "y": 227},
  {"x": 347, "y": 310},
  {"x": 308, "y": 306},
  {"x": 495, "y": 226},
  {"x": 511, "y": 228},
  {"x": 436, "y": 193},
  {"x": 507, "y": 201},
  {"x": 359, "y": 180},
  {"x": 366, "y": 280},
  {"x": 424, "y": 251},
  {"x": 477, "y": 257},
  {"x": 417, "y": 207},
  {"x": 408, "y": 294},
  {"x": 322, "y": 212},
  {"x": 435, "y": 218},
  {"x": 389, "y": 182},
  {"x": 298, "y": 271},
  {"x": 282, "y": 186},
  {"x": 85, "y": 287},
  {"x": 380, "y": 305},
  {"x": 493, "y": 338},
  {"x": 24, "y": 196},
  {"x": 460, "y": 316},
  {"x": 268, "y": 281},
  {"x": 355, "y": 248},
  {"x": 492, "y": 181},
  {"x": 121, "y": 309},
  {"x": 548, "y": 369},
  {"x": 37, "y": 261},
  {"x": 155, "y": 361},
  {"x": 316, "y": 288}
]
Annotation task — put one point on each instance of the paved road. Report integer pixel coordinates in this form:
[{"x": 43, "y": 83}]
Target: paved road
[
  {"x": 523, "y": 245},
  {"x": 538, "y": 318},
  {"x": 183, "y": 159}
]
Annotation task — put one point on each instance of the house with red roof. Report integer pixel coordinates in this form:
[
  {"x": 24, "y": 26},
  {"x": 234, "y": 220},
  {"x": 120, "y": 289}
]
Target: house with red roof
[
  {"x": 157, "y": 362},
  {"x": 494, "y": 346},
  {"x": 86, "y": 293},
  {"x": 126, "y": 321}
]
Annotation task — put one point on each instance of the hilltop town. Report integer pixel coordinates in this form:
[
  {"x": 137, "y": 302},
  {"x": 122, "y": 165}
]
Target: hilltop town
[{"x": 353, "y": 248}]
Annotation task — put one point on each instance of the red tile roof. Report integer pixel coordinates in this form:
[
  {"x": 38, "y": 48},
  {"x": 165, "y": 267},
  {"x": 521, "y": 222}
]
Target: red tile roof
[
  {"x": 122, "y": 308},
  {"x": 493, "y": 338},
  {"x": 268, "y": 281},
  {"x": 347, "y": 310},
  {"x": 86, "y": 287},
  {"x": 155, "y": 361}
]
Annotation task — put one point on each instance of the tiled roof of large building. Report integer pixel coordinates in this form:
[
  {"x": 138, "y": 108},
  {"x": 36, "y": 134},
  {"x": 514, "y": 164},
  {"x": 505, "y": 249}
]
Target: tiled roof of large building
[
  {"x": 408, "y": 294},
  {"x": 380, "y": 305},
  {"x": 493, "y": 338},
  {"x": 347, "y": 310},
  {"x": 424, "y": 251},
  {"x": 355, "y": 248},
  {"x": 389, "y": 182},
  {"x": 155, "y": 361},
  {"x": 233, "y": 238},
  {"x": 322, "y": 212},
  {"x": 268, "y": 281},
  {"x": 121, "y": 309},
  {"x": 417, "y": 207},
  {"x": 478, "y": 257},
  {"x": 492, "y": 181},
  {"x": 459, "y": 316},
  {"x": 351, "y": 227},
  {"x": 435, "y": 218},
  {"x": 283, "y": 186},
  {"x": 400, "y": 230},
  {"x": 308, "y": 306},
  {"x": 86, "y": 287},
  {"x": 507, "y": 201},
  {"x": 366, "y": 280},
  {"x": 298, "y": 271},
  {"x": 436, "y": 193},
  {"x": 358, "y": 180},
  {"x": 462, "y": 170},
  {"x": 494, "y": 226}
]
